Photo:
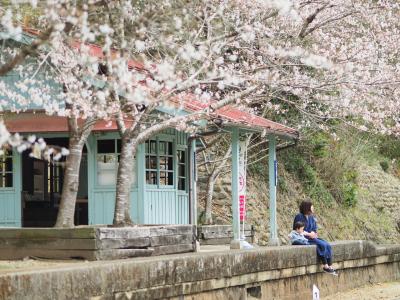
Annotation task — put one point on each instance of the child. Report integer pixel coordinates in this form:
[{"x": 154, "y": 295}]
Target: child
[{"x": 297, "y": 235}]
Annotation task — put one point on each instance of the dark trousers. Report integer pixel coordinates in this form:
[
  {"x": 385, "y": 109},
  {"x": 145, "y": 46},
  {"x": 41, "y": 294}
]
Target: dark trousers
[
  {"x": 324, "y": 250},
  {"x": 326, "y": 261},
  {"x": 300, "y": 243}
]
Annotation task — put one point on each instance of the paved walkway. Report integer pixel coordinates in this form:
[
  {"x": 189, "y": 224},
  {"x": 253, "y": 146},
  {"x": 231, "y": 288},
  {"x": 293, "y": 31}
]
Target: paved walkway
[{"x": 386, "y": 291}]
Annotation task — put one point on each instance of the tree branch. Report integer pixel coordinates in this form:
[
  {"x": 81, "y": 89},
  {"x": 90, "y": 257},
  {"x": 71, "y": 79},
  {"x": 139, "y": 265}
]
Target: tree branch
[
  {"x": 26, "y": 51},
  {"x": 310, "y": 19},
  {"x": 173, "y": 122}
]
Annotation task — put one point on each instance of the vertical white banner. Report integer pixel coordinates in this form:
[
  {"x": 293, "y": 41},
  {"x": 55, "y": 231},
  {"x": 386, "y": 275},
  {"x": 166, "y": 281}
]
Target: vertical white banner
[{"x": 242, "y": 180}]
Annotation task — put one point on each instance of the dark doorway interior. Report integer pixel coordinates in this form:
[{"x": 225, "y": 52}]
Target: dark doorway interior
[{"x": 42, "y": 186}]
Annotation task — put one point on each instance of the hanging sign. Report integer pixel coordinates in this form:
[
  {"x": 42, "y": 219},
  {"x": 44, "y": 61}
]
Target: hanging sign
[{"x": 242, "y": 179}]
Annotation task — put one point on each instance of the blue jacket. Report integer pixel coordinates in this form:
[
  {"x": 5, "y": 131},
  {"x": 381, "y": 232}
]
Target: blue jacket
[{"x": 309, "y": 223}]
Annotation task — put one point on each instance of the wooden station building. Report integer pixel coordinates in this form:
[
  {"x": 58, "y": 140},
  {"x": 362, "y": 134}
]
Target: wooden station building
[{"x": 164, "y": 189}]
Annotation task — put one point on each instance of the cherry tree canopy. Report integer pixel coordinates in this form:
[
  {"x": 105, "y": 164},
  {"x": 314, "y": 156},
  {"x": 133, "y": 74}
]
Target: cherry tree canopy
[{"x": 324, "y": 58}]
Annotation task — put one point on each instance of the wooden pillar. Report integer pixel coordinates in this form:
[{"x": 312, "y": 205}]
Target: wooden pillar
[
  {"x": 141, "y": 183},
  {"x": 193, "y": 182},
  {"x": 235, "y": 243},
  {"x": 273, "y": 182}
]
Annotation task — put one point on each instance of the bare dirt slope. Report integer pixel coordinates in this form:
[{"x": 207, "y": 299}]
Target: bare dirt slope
[{"x": 375, "y": 217}]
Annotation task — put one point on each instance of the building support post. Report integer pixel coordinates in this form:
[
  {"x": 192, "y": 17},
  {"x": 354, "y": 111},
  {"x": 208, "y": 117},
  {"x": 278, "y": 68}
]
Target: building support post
[
  {"x": 273, "y": 182},
  {"x": 193, "y": 182},
  {"x": 236, "y": 243},
  {"x": 192, "y": 172}
]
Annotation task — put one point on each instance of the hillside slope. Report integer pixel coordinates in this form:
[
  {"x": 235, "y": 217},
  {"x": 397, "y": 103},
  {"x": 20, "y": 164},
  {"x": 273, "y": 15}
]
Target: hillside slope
[{"x": 376, "y": 215}]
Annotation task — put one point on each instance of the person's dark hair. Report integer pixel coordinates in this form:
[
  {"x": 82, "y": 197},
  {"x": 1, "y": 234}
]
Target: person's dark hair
[
  {"x": 298, "y": 225},
  {"x": 305, "y": 207}
]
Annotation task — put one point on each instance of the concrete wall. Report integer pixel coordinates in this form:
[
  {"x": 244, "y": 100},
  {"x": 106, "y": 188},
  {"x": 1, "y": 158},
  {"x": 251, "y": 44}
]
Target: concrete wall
[{"x": 266, "y": 273}]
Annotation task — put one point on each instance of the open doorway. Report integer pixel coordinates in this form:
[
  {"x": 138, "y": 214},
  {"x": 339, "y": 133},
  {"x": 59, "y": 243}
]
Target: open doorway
[{"x": 42, "y": 183}]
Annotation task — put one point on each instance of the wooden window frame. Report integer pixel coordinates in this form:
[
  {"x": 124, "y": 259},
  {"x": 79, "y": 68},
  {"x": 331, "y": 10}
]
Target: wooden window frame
[
  {"x": 7, "y": 154},
  {"x": 184, "y": 164},
  {"x": 158, "y": 155},
  {"x": 115, "y": 154}
]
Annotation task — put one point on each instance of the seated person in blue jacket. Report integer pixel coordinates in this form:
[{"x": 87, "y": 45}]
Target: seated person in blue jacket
[
  {"x": 297, "y": 235},
  {"x": 324, "y": 250}
]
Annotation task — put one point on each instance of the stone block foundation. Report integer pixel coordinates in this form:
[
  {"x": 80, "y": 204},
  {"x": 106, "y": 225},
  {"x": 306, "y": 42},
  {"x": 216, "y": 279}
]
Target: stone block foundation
[{"x": 286, "y": 272}]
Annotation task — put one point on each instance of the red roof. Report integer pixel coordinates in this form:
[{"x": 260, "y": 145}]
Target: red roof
[
  {"x": 239, "y": 117},
  {"x": 228, "y": 113},
  {"x": 40, "y": 122}
]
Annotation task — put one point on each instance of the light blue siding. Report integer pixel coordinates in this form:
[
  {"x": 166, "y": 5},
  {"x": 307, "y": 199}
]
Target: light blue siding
[
  {"x": 101, "y": 206},
  {"x": 102, "y": 198},
  {"x": 102, "y": 203},
  {"x": 51, "y": 91},
  {"x": 166, "y": 207},
  {"x": 149, "y": 204},
  {"x": 183, "y": 209},
  {"x": 10, "y": 198}
]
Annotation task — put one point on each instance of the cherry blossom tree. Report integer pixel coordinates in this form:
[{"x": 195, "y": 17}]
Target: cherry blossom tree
[
  {"x": 54, "y": 74},
  {"x": 324, "y": 59}
]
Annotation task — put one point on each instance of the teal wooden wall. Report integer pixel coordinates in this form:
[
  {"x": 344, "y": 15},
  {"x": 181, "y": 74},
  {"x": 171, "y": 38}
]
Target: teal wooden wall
[
  {"x": 102, "y": 198},
  {"x": 149, "y": 204},
  {"x": 10, "y": 198},
  {"x": 167, "y": 205},
  {"x": 43, "y": 80}
]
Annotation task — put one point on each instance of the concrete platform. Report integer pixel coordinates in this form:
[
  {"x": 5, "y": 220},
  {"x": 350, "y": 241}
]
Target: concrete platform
[{"x": 213, "y": 273}]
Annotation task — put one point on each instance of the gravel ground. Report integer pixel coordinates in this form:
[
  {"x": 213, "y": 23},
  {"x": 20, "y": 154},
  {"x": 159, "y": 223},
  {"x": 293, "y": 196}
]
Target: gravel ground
[{"x": 387, "y": 291}]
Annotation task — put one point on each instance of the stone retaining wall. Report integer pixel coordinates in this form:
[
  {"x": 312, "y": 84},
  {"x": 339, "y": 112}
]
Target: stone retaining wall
[
  {"x": 221, "y": 234},
  {"x": 265, "y": 273},
  {"x": 96, "y": 242}
]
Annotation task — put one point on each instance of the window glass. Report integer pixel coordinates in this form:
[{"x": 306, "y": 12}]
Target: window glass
[
  {"x": 54, "y": 177},
  {"x": 153, "y": 147},
  {"x": 118, "y": 146},
  {"x": 107, "y": 162},
  {"x": 166, "y": 163},
  {"x": 159, "y": 163},
  {"x": 106, "y": 146},
  {"x": 151, "y": 177},
  {"x": 151, "y": 162},
  {"x": 181, "y": 170},
  {"x": 162, "y": 147},
  {"x": 181, "y": 184},
  {"x": 181, "y": 156},
  {"x": 6, "y": 167}
]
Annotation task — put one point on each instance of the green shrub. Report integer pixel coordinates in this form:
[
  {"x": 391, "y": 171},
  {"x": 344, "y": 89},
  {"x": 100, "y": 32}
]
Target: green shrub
[
  {"x": 350, "y": 194},
  {"x": 327, "y": 167},
  {"x": 296, "y": 164},
  {"x": 319, "y": 143},
  {"x": 384, "y": 165},
  {"x": 389, "y": 147},
  {"x": 258, "y": 168},
  {"x": 282, "y": 185}
]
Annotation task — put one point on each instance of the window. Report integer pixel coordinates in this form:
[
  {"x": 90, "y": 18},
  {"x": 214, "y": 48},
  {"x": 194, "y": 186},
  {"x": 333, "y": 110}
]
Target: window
[
  {"x": 107, "y": 161},
  {"x": 6, "y": 169},
  {"x": 181, "y": 170},
  {"x": 159, "y": 163},
  {"x": 54, "y": 177},
  {"x": 151, "y": 162}
]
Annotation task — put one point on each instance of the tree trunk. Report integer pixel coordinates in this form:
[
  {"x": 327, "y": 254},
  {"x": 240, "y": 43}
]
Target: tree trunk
[
  {"x": 122, "y": 215},
  {"x": 210, "y": 186},
  {"x": 209, "y": 197},
  {"x": 77, "y": 139},
  {"x": 66, "y": 211}
]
